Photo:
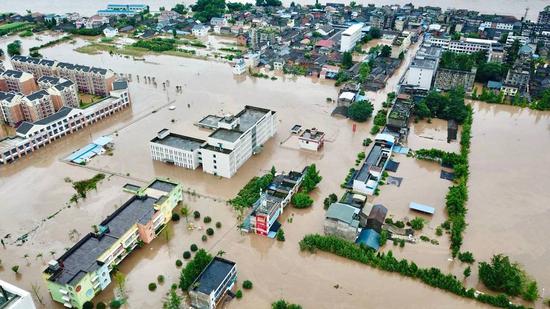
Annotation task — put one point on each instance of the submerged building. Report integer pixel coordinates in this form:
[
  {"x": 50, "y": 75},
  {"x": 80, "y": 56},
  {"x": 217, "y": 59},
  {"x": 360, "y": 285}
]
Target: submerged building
[
  {"x": 234, "y": 140},
  {"x": 84, "y": 270},
  {"x": 366, "y": 179},
  {"x": 210, "y": 287},
  {"x": 268, "y": 208},
  {"x": 30, "y": 136},
  {"x": 12, "y": 297}
]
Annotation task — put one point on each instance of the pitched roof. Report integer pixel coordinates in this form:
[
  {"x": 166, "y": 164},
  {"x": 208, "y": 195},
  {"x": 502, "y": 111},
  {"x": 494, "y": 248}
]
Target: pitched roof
[{"x": 343, "y": 212}]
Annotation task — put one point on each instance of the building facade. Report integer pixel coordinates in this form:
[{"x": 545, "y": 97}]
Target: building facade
[
  {"x": 350, "y": 37},
  {"x": 97, "y": 81},
  {"x": 176, "y": 149},
  {"x": 17, "y": 81},
  {"x": 84, "y": 270},
  {"x": 234, "y": 140},
  {"x": 32, "y": 136},
  {"x": 342, "y": 220}
]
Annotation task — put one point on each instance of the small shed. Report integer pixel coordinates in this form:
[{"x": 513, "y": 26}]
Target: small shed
[
  {"x": 422, "y": 208},
  {"x": 369, "y": 238},
  {"x": 452, "y": 130}
]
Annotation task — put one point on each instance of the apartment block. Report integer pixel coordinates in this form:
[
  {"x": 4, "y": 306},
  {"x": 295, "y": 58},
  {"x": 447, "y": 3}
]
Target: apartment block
[
  {"x": 17, "y": 81},
  {"x": 88, "y": 79},
  {"x": 211, "y": 285},
  {"x": 350, "y": 37},
  {"x": 12, "y": 297},
  {"x": 234, "y": 140},
  {"x": 84, "y": 270},
  {"x": 37, "y": 105},
  {"x": 10, "y": 108},
  {"x": 62, "y": 91},
  {"x": 36, "y": 66},
  {"x": 31, "y": 136}
]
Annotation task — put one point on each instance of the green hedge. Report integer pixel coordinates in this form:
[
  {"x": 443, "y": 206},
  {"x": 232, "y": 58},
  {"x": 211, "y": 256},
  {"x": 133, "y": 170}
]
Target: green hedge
[{"x": 387, "y": 262}]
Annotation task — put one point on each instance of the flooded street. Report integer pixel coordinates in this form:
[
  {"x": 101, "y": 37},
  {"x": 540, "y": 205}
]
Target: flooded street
[
  {"x": 507, "y": 7},
  {"x": 34, "y": 193}
]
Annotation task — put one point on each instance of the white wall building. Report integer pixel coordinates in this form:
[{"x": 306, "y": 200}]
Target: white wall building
[
  {"x": 176, "y": 149},
  {"x": 12, "y": 297},
  {"x": 350, "y": 37},
  {"x": 228, "y": 149},
  {"x": 420, "y": 74},
  {"x": 467, "y": 45},
  {"x": 234, "y": 141}
]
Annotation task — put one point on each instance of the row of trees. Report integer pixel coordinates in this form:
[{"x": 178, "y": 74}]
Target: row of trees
[
  {"x": 250, "y": 193},
  {"x": 387, "y": 262},
  {"x": 156, "y": 44},
  {"x": 458, "y": 193}
]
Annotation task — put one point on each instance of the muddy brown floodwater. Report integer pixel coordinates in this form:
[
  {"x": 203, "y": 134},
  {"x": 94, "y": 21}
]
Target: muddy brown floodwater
[{"x": 34, "y": 188}]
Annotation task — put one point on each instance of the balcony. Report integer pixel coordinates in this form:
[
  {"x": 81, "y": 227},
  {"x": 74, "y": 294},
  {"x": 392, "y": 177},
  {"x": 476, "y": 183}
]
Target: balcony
[
  {"x": 64, "y": 292},
  {"x": 66, "y": 298}
]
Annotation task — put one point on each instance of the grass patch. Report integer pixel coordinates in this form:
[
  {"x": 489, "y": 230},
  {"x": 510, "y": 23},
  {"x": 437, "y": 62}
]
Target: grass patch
[{"x": 87, "y": 100}]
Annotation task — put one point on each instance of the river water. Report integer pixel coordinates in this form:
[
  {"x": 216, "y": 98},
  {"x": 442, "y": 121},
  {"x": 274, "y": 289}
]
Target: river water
[
  {"x": 506, "y": 7},
  {"x": 34, "y": 189}
]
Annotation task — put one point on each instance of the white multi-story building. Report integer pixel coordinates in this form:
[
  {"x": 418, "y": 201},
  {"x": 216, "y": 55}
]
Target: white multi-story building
[
  {"x": 350, "y": 37},
  {"x": 12, "y": 297},
  {"x": 498, "y": 26},
  {"x": 420, "y": 74},
  {"x": 466, "y": 45},
  {"x": 234, "y": 141},
  {"x": 177, "y": 149},
  {"x": 31, "y": 136}
]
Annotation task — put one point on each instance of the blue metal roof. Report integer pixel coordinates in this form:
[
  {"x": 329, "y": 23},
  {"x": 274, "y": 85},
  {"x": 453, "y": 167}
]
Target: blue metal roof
[
  {"x": 369, "y": 238},
  {"x": 422, "y": 208}
]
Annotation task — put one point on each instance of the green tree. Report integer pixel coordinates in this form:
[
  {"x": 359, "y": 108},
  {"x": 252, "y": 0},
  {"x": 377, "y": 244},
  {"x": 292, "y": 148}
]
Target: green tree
[
  {"x": 501, "y": 275},
  {"x": 347, "y": 60},
  {"x": 401, "y": 55},
  {"x": 531, "y": 292},
  {"x": 383, "y": 238},
  {"x": 88, "y": 305},
  {"x": 206, "y": 9},
  {"x": 364, "y": 71},
  {"x": 301, "y": 200},
  {"x": 385, "y": 51},
  {"x": 375, "y": 33},
  {"x": 192, "y": 270},
  {"x": 513, "y": 52},
  {"x": 466, "y": 257},
  {"x": 172, "y": 301},
  {"x": 417, "y": 223},
  {"x": 283, "y": 304},
  {"x": 467, "y": 272},
  {"x": 14, "y": 48},
  {"x": 360, "y": 111},
  {"x": 280, "y": 236},
  {"x": 268, "y": 3},
  {"x": 311, "y": 178},
  {"x": 247, "y": 284}
]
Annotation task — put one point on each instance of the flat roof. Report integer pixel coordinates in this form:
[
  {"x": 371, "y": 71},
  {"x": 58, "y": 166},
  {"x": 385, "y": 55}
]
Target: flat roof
[
  {"x": 162, "y": 185},
  {"x": 353, "y": 28},
  {"x": 179, "y": 141},
  {"x": 226, "y": 135},
  {"x": 138, "y": 209},
  {"x": 213, "y": 275},
  {"x": 342, "y": 212},
  {"x": 210, "y": 121},
  {"x": 82, "y": 258},
  {"x": 249, "y": 116}
]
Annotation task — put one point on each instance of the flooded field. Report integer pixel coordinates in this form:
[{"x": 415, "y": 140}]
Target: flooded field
[
  {"x": 508, "y": 7},
  {"x": 34, "y": 189}
]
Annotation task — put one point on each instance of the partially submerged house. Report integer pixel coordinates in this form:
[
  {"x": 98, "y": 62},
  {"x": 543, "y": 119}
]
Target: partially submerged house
[
  {"x": 312, "y": 139},
  {"x": 267, "y": 209},
  {"x": 367, "y": 178},
  {"x": 208, "y": 290},
  {"x": 342, "y": 220}
]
